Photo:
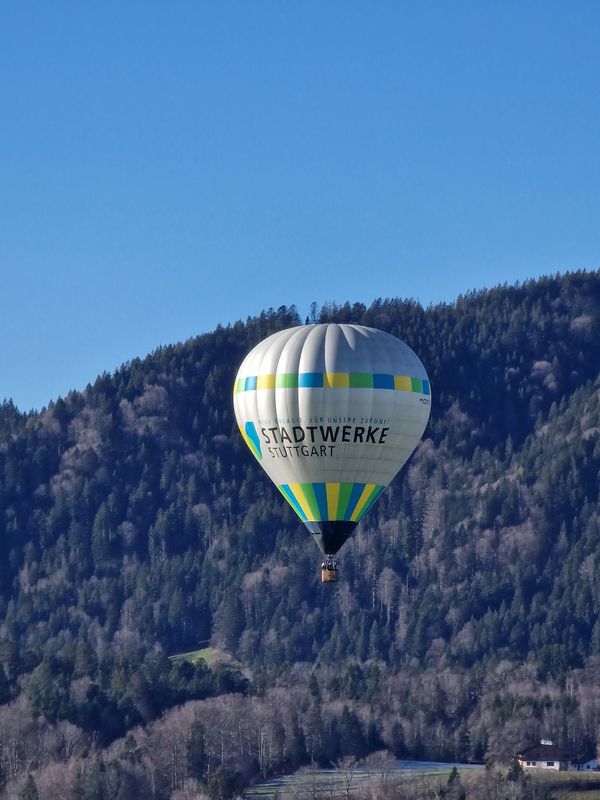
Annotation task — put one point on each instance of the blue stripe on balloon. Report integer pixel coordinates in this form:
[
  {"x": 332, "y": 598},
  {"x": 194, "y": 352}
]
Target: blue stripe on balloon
[
  {"x": 310, "y": 380},
  {"x": 321, "y": 498},
  {"x": 355, "y": 494},
  {"x": 383, "y": 381}
]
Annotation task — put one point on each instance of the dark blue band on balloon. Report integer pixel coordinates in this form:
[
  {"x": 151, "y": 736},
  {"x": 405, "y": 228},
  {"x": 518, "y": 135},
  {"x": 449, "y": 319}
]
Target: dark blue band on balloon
[
  {"x": 383, "y": 381},
  {"x": 310, "y": 380}
]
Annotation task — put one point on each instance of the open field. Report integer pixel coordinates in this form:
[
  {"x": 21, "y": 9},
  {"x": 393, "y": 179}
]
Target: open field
[
  {"x": 212, "y": 656},
  {"x": 328, "y": 782},
  {"x": 339, "y": 782}
]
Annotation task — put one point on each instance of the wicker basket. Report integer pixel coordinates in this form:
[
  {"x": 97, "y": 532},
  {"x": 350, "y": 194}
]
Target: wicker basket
[{"x": 329, "y": 575}]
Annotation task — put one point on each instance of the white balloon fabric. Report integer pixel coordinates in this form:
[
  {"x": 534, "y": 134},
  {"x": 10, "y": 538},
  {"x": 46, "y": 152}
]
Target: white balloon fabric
[{"x": 332, "y": 412}]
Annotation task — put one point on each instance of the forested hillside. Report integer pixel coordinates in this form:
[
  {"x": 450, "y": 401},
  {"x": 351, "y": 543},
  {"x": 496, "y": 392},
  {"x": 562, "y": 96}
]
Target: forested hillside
[{"x": 135, "y": 524}]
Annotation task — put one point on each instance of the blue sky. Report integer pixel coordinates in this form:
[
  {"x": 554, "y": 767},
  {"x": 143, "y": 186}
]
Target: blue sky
[{"x": 168, "y": 166}]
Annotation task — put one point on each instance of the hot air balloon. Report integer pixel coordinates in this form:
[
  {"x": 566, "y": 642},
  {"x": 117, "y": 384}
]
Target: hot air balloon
[{"x": 331, "y": 412}]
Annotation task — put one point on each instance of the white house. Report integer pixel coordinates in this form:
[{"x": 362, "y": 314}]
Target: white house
[{"x": 545, "y": 755}]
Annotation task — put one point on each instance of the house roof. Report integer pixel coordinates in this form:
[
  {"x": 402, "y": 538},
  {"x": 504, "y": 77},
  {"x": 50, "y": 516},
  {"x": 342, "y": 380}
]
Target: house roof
[{"x": 545, "y": 752}]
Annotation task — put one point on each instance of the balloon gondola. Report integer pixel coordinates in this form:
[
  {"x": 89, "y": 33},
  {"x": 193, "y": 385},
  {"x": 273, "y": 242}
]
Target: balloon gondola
[{"x": 332, "y": 412}]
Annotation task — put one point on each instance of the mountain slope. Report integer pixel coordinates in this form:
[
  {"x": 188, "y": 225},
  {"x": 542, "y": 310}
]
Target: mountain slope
[{"x": 134, "y": 523}]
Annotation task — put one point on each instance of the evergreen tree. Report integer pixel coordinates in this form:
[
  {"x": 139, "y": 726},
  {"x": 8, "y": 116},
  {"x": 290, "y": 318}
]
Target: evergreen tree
[
  {"x": 221, "y": 784},
  {"x": 5, "y": 691},
  {"x": 196, "y": 753},
  {"x": 85, "y": 659},
  {"x": 29, "y": 790},
  {"x": 455, "y": 790}
]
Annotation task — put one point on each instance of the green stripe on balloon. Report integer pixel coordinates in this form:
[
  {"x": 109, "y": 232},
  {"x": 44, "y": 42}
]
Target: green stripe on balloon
[
  {"x": 309, "y": 496},
  {"x": 361, "y": 380},
  {"x": 345, "y": 492},
  {"x": 288, "y": 380}
]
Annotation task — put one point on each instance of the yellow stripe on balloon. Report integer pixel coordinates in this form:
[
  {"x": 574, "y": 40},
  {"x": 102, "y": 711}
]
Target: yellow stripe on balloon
[
  {"x": 266, "y": 382},
  {"x": 296, "y": 490},
  {"x": 362, "y": 501},
  {"x": 333, "y": 493},
  {"x": 403, "y": 382},
  {"x": 336, "y": 380}
]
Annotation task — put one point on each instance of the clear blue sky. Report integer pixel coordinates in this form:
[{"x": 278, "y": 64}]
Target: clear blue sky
[{"x": 168, "y": 166}]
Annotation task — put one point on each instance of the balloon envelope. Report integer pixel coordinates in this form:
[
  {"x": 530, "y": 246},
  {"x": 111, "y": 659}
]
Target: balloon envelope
[{"x": 332, "y": 412}]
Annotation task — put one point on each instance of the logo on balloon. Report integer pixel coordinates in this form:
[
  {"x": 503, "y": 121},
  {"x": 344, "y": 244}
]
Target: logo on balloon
[{"x": 250, "y": 435}]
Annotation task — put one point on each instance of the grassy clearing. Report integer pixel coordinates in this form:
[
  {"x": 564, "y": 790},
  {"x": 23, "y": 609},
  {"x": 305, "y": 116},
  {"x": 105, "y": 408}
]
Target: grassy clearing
[{"x": 212, "y": 656}]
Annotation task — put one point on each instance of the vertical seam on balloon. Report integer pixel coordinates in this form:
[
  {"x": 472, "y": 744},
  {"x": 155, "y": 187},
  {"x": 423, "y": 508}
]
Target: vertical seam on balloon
[
  {"x": 362, "y": 460},
  {"x": 348, "y": 395},
  {"x": 265, "y": 400},
  {"x": 281, "y": 398}
]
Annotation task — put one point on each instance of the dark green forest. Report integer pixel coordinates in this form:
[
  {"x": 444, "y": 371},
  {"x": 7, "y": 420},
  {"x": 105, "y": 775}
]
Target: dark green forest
[{"x": 135, "y": 524}]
